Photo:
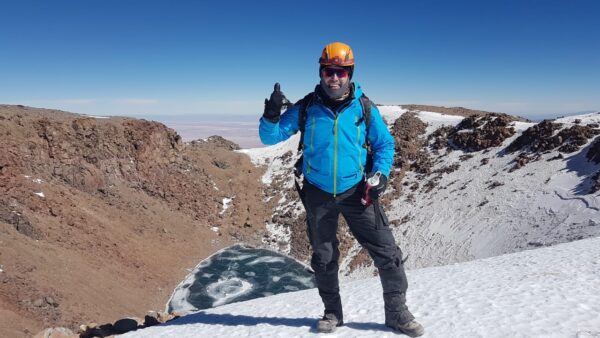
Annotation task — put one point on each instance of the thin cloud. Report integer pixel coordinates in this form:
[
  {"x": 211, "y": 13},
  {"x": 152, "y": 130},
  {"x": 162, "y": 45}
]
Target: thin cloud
[
  {"x": 136, "y": 101},
  {"x": 456, "y": 103},
  {"x": 76, "y": 101}
]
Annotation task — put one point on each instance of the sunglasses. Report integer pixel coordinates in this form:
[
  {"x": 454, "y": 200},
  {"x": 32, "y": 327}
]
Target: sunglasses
[{"x": 340, "y": 72}]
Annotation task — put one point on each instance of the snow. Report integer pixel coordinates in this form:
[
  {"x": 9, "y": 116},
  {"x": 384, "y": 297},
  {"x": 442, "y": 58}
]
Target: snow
[
  {"x": 279, "y": 234},
  {"x": 96, "y": 117},
  {"x": 226, "y": 204},
  {"x": 546, "y": 292},
  {"x": 584, "y": 118},
  {"x": 271, "y": 157},
  {"x": 436, "y": 120},
  {"x": 479, "y": 210},
  {"x": 34, "y": 180}
]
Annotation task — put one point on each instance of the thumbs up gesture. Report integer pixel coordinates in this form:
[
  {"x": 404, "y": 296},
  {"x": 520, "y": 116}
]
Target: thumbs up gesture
[{"x": 275, "y": 103}]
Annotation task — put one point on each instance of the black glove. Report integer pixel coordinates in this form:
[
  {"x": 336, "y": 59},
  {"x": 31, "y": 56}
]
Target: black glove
[
  {"x": 274, "y": 104},
  {"x": 377, "y": 190}
]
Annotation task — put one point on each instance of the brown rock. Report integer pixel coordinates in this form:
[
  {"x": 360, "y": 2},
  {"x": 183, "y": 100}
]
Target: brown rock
[
  {"x": 595, "y": 183},
  {"x": 593, "y": 154},
  {"x": 477, "y": 133},
  {"x": 50, "y": 301},
  {"x": 542, "y": 137}
]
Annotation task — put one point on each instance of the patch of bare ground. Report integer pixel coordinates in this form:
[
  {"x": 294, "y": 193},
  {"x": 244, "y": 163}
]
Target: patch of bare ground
[
  {"x": 99, "y": 218},
  {"x": 476, "y": 133},
  {"x": 457, "y": 111},
  {"x": 595, "y": 183},
  {"x": 593, "y": 153},
  {"x": 548, "y": 136},
  {"x": 438, "y": 139},
  {"x": 411, "y": 154}
]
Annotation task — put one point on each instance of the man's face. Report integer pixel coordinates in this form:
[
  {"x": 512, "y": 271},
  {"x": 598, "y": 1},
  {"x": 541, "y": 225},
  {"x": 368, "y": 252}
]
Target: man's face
[{"x": 335, "y": 77}]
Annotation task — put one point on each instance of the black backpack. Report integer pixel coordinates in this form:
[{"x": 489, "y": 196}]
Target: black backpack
[{"x": 304, "y": 103}]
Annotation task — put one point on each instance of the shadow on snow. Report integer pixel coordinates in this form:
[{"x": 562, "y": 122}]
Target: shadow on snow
[{"x": 244, "y": 320}]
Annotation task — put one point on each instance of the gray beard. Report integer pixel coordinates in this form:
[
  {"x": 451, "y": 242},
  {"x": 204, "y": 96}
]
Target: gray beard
[{"x": 336, "y": 94}]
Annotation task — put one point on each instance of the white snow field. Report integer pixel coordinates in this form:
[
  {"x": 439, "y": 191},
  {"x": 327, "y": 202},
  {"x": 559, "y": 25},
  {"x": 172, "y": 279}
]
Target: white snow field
[{"x": 546, "y": 292}]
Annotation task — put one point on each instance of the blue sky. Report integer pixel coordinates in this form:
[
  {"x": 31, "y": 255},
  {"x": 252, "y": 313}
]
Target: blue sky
[{"x": 197, "y": 58}]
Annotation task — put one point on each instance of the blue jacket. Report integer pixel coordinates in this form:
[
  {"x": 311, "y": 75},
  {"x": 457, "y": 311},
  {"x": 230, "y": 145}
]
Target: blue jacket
[{"x": 335, "y": 152}]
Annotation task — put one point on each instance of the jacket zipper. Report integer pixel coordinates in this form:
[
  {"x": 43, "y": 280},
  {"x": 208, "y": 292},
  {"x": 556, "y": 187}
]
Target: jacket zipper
[
  {"x": 335, "y": 143},
  {"x": 335, "y": 149}
]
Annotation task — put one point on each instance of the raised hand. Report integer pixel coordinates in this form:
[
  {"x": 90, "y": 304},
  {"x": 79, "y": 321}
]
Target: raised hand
[{"x": 275, "y": 103}]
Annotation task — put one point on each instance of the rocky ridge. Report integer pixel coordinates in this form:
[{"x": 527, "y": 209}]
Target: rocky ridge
[{"x": 100, "y": 216}]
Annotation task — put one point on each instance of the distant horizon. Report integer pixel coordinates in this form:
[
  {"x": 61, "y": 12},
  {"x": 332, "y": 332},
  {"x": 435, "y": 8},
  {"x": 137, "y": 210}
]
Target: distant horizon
[{"x": 235, "y": 118}]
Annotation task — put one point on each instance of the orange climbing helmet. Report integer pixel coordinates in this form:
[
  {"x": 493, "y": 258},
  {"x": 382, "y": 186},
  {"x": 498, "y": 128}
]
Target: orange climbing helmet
[{"x": 337, "y": 54}]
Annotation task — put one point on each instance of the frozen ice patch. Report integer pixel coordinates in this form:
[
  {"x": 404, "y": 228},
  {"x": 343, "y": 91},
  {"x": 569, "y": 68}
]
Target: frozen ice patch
[
  {"x": 236, "y": 274},
  {"x": 267, "y": 259}
]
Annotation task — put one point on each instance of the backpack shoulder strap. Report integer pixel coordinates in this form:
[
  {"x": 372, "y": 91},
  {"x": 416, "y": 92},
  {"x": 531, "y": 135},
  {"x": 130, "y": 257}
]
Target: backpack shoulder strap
[
  {"x": 304, "y": 103},
  {"x": 366, "y": 105}
]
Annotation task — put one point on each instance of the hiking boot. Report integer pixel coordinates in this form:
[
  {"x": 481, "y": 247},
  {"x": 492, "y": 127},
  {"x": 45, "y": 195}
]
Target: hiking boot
[
  {"x": 328, "y": 323},
  {"x": 411, "y": 328}
]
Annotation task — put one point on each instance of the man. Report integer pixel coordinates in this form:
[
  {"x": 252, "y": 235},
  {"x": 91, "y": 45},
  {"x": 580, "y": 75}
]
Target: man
[{"x": 336, "y": 131}]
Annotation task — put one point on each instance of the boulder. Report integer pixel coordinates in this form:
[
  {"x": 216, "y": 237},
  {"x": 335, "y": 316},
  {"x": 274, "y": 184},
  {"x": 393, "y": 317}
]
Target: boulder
[{"x": 126, "y": 324}]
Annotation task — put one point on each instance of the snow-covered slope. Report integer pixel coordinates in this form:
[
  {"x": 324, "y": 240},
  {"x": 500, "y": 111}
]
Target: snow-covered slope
[
  {"x": 483, "y": 207},
  {"x": 546, "y": 292},
  {"x": 485, "y": 210}
]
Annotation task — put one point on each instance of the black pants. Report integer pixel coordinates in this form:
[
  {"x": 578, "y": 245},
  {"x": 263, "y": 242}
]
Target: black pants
[{"x": 370, "y": 227}]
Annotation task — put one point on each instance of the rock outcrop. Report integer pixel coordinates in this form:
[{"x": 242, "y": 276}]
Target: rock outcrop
[
  {"x": 86, "y": 202},
  {"x": 476, "y": 133},
  {"x": 548, "y": 135}
]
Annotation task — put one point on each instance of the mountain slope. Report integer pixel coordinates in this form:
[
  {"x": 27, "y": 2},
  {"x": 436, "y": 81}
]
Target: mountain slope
[
  {"x": 546, "y": 292},
  {"x": 99, "y": 217},
  {"x": 463, "y": 188}
]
